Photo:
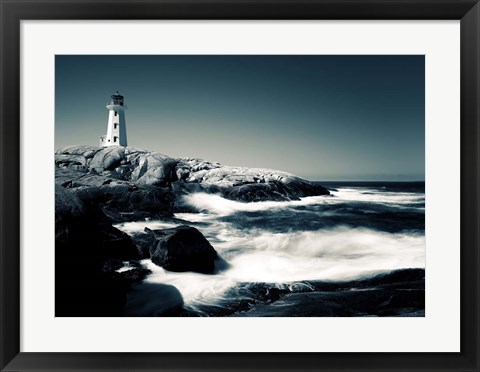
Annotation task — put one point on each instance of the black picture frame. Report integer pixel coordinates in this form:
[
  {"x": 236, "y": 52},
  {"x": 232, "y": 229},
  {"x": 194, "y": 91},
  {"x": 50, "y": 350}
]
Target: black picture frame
[{"x": 14, "y": 11}]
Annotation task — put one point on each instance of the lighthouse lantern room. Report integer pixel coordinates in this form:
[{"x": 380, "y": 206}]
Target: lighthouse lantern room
[{"x": 116, "y": 127}]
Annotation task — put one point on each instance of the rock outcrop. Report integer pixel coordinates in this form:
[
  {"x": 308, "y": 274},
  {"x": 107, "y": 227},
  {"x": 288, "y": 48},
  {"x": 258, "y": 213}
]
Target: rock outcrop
[
  {"x": 121, "y": 200},
  {"x": 87, "y": 251},
  {"x": 136, "y": 180},
  {"x": 241, "y": 183},
  {"x": 83, "y": 230}
]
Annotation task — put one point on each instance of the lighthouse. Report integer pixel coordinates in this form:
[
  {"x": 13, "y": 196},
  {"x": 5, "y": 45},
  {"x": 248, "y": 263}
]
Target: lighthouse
[{"x": 116, "y": 127}]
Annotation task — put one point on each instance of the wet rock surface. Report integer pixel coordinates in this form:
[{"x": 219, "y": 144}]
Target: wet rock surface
[{"x": 398, "y": 293}]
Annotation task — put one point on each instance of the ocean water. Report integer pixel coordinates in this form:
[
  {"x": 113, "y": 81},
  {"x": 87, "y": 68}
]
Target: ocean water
[{"x": 360, "y": 230}]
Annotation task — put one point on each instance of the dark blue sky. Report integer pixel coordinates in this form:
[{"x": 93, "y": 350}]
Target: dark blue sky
[{"x": 320, "y": 117}]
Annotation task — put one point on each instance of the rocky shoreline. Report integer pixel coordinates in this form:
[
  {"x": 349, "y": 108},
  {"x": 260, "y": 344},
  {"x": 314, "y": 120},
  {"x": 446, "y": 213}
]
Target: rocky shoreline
[
  {"x": 98, "y": 269},
  {"x": 134, "y": 183}
]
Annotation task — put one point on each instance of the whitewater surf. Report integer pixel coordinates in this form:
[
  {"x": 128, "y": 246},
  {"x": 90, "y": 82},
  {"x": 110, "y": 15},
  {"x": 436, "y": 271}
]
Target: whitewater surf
[{"x": 360, "y": 231}]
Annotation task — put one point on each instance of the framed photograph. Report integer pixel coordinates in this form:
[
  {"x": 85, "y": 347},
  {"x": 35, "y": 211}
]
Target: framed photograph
[{"x": 240, "y": 186}]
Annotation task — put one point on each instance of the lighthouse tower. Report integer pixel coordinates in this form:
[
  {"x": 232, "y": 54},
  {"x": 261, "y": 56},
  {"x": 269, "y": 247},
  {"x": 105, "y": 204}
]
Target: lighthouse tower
[{"x": 116, "y": 128}]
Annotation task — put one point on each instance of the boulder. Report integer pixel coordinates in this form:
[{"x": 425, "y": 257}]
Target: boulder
[
  {"x": 154, "y": 169},
  {"x": 108, "y": 158},
  {"x": 150, "y": 299},
  {"x": 183, "y": 248}
]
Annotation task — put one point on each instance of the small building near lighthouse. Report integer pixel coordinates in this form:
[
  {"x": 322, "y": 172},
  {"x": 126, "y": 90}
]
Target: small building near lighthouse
[{"x": 116, "y": 125}]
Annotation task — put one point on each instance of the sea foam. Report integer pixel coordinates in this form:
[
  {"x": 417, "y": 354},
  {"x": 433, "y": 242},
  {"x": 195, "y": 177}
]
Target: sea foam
[{"x": 258, "y": 255}]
